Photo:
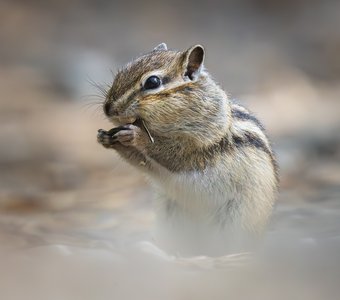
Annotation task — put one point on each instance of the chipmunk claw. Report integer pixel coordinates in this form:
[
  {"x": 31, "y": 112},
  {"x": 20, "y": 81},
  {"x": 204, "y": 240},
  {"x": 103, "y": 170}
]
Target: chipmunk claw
[{"x": 105, "y": 138}]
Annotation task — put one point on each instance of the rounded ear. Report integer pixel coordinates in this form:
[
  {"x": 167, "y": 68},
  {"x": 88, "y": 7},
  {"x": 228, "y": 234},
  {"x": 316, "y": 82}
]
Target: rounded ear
[
  {"x": 193, "y": 61},
  {"x": 161, "y": 47}
]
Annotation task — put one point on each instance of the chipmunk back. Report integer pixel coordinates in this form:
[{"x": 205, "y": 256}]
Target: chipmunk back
[{"x": 207, "y": 158}]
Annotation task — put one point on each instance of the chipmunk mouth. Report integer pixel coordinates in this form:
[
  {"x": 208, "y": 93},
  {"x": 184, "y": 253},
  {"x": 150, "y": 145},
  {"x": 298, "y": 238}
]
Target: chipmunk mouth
[{"x": 127, "y": 120}]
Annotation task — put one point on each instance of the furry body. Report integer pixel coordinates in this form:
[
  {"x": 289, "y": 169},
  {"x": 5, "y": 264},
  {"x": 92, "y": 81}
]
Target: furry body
[{"x": 210, "y": 164}]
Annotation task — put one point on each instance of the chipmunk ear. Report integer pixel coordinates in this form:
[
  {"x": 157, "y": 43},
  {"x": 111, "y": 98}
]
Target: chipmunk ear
[
  {"x": 161, "y": 47},
  {"x": 193, "y": 61}
]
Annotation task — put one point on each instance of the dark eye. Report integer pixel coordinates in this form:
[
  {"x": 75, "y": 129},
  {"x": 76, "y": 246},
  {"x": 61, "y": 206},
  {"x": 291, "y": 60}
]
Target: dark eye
[{"x": 152, "y": 82}]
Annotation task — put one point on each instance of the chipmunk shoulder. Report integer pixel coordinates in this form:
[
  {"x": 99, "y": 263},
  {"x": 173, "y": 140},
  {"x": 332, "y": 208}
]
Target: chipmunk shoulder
[{"x": 208, "y": 159}]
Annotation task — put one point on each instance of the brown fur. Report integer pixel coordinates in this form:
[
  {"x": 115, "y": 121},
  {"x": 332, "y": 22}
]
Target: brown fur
[
  {"x": 184, "y": 119},
  {"x": 198, "y": 135}
]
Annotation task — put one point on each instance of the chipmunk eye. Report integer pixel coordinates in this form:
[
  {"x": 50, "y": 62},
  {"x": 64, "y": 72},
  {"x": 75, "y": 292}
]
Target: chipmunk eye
[{"x": 152, "y": 82}]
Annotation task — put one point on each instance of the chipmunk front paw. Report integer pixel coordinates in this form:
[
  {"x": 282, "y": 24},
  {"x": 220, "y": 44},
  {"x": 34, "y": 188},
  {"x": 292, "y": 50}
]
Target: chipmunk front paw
[
  {"x": 127, "y": 135},
  {"x": 106, "y": 138},
  {"x": 132, "y": 135}
]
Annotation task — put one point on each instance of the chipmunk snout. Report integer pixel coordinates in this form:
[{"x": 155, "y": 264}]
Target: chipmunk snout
[
  {"x": 107, "y": 108},
  {"x": 115, "y": 113},
  {"x": 110, "y": 110}
]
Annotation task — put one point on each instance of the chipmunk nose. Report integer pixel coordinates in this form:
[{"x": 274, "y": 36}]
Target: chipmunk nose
[{"x": 107, "y": 108}]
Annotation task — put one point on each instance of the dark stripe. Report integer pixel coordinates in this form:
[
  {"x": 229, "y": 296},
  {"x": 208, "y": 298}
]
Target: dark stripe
[
  {"x": 251, "y": 140},
  {"x": 247, "y": 140},
  {"x": 245, "y": 116},
  {"x": 131, "y": 97}
]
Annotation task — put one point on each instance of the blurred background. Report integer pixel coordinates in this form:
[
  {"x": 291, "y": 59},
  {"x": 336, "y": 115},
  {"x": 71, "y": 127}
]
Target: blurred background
[{"x": 71, "y": 211}]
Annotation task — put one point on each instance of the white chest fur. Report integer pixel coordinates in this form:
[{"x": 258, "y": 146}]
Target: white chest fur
[
  {"x": 195, "y": 195},
  {"x": 214, "y": 211}
]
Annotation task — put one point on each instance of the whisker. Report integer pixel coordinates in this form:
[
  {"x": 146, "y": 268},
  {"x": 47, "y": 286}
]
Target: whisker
[
  {"x": 89, "y": 97},
  {"x": 95, "y": 110},
  {"x": 113, "y": 74},
  {"x": 93, "y": 103},
  {"x": 100, "y": 87}
]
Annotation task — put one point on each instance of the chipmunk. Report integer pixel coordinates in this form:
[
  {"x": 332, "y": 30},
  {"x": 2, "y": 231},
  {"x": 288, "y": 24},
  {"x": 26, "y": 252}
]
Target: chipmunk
[{"x": 207, "y": 158}]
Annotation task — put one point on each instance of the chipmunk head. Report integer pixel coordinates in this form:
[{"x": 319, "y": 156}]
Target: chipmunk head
[{"x": 171, "y": 92}]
